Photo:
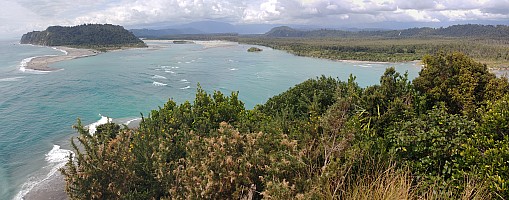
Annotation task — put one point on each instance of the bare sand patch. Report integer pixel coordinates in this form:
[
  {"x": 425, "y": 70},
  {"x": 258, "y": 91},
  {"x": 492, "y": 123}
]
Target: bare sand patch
[{"x": 42, "y": 63}]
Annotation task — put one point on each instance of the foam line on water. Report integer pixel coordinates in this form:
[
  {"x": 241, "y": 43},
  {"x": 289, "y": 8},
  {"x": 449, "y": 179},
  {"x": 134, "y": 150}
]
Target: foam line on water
[
  {"x": 132, "y": 120},
  {"x": 92, "y": 128},
  {"x": 11, "y": 79},
  {"x": 23, "y": 64},
  {"x": 158, "y": 77},
  {"x": 158, "y": 83},
  {"x": 61, "y": 50}
]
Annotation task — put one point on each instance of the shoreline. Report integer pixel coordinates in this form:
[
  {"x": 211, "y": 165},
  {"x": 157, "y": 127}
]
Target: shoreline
[
  {"x": 52, "y": 186},
  {"x": 41, "y": 63},
  {"x": 207, "y": 44}
]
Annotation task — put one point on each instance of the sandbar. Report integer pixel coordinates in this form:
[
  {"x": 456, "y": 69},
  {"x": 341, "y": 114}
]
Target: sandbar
[
  {"x": 216, "y": 43},
  {"x": 42, "y": 63}
]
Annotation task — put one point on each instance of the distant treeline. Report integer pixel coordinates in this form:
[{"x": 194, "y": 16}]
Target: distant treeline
[
  {"x": 493, "y": 52},
  {"x": 485, "y": 43},
  {"x": 96, "y": 36},
  {"x": 467, "y": 30}
]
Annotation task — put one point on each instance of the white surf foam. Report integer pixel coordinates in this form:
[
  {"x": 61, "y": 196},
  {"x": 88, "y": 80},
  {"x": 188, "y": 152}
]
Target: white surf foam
[
  {"x": 23, "y": 64},
  {"x": 158, "y": 77},
  {"x": 159, "y": 84},
  {"x": 188, "y": 62},
  {"x": 11, "y": 79},
  {"x": 56, "y": 158},
  {"x": 132, "y": 120},
  {"x": 61, "y": 50},
  {"x": 169, "y": 71},
  {"x": 185, "y": 88},
  {"x": 233, "y": 69},
  {"x": 92, "y": 128},
  {"x": 57, "y": 155}
]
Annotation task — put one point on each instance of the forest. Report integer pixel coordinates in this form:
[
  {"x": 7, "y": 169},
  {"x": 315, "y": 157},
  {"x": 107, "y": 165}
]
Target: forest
[
  {"x": 93, "y": 36},
  {"x": 464, "y": 30},
  {"x": 485, "y": 43},
  {"x": 493, "y": 52},
  {"x": 443, "y": 135}
]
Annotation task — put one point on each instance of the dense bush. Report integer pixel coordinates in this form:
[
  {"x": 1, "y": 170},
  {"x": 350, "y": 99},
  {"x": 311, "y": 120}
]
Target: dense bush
[
  {"x": 443, "y": 136},
  {"x": 96, "y": 36}
]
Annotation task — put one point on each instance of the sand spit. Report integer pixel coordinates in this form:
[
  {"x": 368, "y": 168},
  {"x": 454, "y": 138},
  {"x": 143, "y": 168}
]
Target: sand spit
[{"x": 42, "y": 63}]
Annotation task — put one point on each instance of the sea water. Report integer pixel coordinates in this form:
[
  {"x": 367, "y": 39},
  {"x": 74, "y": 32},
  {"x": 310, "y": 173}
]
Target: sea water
[{"x": 38, "y": 109}]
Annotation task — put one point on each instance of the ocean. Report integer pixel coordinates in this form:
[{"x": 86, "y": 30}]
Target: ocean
[{"x": 38, "y": 109}]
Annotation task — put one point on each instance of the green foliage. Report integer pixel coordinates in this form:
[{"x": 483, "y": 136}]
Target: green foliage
[
  {"x": 95, "y": 36},
  {"x": 493, "y": 51},
  {"x": 228, "y": 164},
  {"x": 488, "y": 150},
  {"x": 456, "y": 80},
  {"x": 298, "y": 102},
  {"x": 444, "y": 136},
  {"x": 466, "y": 30},
  {"x": 431, "y": 144},
  {"x": 254, "y": 49}
]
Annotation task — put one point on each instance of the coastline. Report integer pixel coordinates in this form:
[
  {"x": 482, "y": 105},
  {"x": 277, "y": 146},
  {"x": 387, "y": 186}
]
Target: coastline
[
  {"x": 42, "y": 63},
  {"x": 205, "y": 43},
  {"x": 52, "y": 186}
]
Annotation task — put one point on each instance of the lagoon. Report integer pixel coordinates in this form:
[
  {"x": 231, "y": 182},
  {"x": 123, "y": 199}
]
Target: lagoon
[{"x": 37, "y": 109}]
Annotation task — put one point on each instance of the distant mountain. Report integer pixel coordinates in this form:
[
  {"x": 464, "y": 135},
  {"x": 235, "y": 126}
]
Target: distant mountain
[
  {"x": 202, "y": 27},
  {"x": 87, "y": 35},
  {"x": 150, "y": 33},
  {"x": 209, "y": 27},
  {"x": 468, "y": 30}
]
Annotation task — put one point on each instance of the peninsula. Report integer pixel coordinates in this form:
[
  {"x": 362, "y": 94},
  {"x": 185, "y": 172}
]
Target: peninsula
[{"x": 78, "y": 41}]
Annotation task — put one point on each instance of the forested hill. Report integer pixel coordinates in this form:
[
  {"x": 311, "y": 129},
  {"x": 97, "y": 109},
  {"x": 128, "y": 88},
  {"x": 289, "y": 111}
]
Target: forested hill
[
  {"x": 86, "y": 36},
  {"x": 467, "y": 30}
]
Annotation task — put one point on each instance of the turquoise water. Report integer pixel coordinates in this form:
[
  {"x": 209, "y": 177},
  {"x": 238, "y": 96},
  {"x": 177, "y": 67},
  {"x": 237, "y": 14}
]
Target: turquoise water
[{"x": 37, "y": 110}]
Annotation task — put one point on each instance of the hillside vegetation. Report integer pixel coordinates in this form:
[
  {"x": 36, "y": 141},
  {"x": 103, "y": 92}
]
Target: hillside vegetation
[
  {"x": 95, "y": 36},
  {"x": 443, "y": 135},
  {"x": 466, "y": 30}
]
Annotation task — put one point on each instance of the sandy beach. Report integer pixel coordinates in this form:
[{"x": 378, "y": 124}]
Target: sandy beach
[
  {"x": 216, "y": 43},
  {"x": 51, "y": 189},
  {"x": 42, "y": 63}
]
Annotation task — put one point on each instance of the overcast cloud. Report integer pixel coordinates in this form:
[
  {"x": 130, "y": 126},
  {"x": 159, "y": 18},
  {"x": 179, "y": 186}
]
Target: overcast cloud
[{"x": 18, "y": 16}]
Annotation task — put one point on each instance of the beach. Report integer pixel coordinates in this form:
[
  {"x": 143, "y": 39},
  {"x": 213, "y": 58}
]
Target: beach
[
  {"x": 216, "y": 43},
  {"x": 42, "y": 63}
]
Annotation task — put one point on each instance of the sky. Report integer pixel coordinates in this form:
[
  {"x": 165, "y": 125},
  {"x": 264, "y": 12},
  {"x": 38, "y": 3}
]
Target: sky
[{"x": 20, "y": 16}]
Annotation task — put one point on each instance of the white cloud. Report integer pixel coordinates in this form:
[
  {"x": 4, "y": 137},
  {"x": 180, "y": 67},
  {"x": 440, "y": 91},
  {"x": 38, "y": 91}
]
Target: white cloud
[{"x": 25, "y": 15}]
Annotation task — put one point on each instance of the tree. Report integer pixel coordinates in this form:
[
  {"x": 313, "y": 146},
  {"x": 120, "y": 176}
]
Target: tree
[{"x": 454, "y": 79}]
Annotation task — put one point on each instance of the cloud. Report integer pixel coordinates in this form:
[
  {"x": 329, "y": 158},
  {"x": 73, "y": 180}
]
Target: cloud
[{"x": 22, "y": 15}]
